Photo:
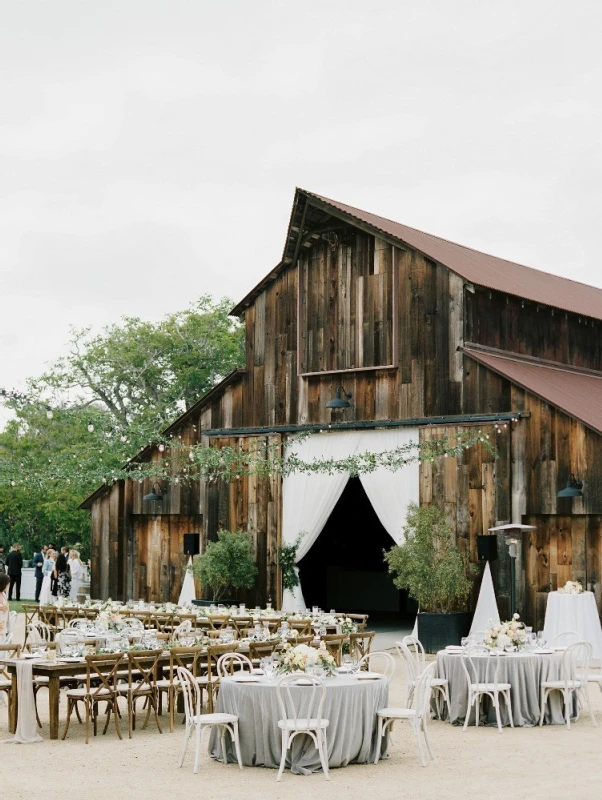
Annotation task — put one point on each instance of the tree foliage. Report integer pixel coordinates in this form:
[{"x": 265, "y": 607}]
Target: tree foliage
[
  {"x": 428, "y": 564},
  {"x": 111, "y": 395},
  {"x": 226, "y": 564}
]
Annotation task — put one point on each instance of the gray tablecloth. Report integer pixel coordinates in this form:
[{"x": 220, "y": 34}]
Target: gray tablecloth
[
  {"x": 523, "y": 671},
  {"x": 350, "y": 706}
]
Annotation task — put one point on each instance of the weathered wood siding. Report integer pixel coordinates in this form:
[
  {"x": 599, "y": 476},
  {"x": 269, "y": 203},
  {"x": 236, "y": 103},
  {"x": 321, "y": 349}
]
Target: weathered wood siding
[{"x": 387, "y": 323}]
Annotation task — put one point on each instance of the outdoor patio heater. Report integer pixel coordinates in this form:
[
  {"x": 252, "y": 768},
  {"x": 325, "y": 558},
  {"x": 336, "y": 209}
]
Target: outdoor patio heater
[{"x": 512, "y": 537}]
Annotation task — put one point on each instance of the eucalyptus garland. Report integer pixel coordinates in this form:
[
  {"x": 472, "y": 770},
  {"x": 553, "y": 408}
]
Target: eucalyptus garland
[
  {"x": 287, "y": 554},
  {"x": 263, "y": 457}
]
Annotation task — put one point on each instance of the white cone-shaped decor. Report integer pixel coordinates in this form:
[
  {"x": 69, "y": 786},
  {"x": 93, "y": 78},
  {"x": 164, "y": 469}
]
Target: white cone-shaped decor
[
  {"x": 187, "y": 595},
  {"x": 486, "y": 612}
]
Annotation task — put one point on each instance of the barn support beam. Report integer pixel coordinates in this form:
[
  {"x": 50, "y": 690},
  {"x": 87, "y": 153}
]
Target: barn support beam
[{"x": 456, "y": 419}]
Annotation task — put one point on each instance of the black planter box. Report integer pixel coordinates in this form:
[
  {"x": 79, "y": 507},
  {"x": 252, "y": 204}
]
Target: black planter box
[{"x": 436, "y": 631}]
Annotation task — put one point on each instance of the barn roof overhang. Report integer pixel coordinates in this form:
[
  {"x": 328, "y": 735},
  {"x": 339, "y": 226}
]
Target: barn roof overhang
[
  {"x": 575, "y": 391},
  {"x": 313, "y": 216}
]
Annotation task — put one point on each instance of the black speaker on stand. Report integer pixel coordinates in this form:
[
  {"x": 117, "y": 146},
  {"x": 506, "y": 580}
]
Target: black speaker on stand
[
  {"x": 487, "y": 548},
  {"x": 192, "y": 544}
]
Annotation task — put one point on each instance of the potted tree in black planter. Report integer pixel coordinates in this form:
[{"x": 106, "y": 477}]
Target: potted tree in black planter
[
  {"x": 435, "y": 573},
  {"x": 225, "y": 566}
]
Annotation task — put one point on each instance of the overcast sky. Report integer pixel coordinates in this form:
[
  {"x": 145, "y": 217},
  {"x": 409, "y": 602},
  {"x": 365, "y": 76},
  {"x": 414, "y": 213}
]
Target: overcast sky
[{"x": 149, "y": 150}]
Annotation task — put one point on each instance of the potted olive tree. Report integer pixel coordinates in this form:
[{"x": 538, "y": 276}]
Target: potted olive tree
[
  {"x": 436, "y": 574},
  {"x": 226, "y": 566}
]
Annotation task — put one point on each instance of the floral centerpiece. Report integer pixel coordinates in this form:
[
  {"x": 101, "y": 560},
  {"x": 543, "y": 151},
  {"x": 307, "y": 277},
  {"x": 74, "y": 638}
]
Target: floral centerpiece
[
  {"x": 506, "y": 634},
  {"x": 571, "y": 587},
  {"x": 109, "y": 621},
  {"x": 347, "y": 626},
  {"x": 302, "y": 656}
]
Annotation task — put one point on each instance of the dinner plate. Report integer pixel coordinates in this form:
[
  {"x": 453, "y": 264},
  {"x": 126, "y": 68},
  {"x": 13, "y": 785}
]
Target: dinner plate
[
  {"x": 31, "y": 655},
  {"x": 368, "y": 676},
  {"x": 72, "y": 660},
  {"x": 344, "y": 670},
  {"x": 544, "y": 652},
  {"x": 246, "y": 678},
  {"x": 302, "y": 682},
  {"x": 558, "y": 649}
]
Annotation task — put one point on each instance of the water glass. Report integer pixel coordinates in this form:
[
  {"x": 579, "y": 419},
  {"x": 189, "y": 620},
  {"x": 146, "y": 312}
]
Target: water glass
[{"x": 465, "y": 641}]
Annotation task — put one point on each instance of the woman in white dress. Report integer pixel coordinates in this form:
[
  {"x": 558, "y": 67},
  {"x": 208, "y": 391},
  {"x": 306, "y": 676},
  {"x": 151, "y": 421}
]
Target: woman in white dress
[
  {"x": 75, "y": 570},
  {"x": 47, "y": 571}
]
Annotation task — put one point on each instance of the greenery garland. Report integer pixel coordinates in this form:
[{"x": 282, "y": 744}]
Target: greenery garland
[
  {"x": 287, "y": 553},
  {"x": 182, "y": 464}
]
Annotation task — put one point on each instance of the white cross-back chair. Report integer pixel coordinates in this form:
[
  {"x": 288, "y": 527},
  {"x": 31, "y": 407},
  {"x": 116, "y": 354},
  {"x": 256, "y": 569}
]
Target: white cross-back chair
[
  {"x": 182, "y": 629},
  {"x": 231, "y": 663},
  {"x": 39, "y": 633},
  {"x": 565, "y": 638},
  {"x": 379, "y": 661},
  {"x": 417, "y": 717},
  {"x": 79, "y": 622},
  {"x": 412, "y": 652},
  {"x": 225, "y": 723},
  {"x": 301, "y": 713},
  {"x": 592, "y": 672},
  {"x": 575, "y": 660},
  {"x": 487, "y": 685}
]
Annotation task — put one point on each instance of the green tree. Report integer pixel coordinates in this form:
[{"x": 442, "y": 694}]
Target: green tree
[
  {"x": 428, "y": 563},
  {"x": 226, "y": 564},
  {"x": 98, "y": 406},
  {"x": 139, "y": 370}
]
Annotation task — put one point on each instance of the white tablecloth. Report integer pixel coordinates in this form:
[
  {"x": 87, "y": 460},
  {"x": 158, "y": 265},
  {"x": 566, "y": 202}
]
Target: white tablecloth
[
  {"x": 352, "y": 733},
  {"x": 574, "y": 612}
]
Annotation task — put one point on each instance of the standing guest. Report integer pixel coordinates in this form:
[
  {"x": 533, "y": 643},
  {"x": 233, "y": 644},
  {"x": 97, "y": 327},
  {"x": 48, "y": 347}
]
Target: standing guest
[
  {"x": 38, "y": 562},
  {"x": 14, "y": 565},
  {"x": 4, "y": 610},
  {"x": 59, "y": 571},
  {"x": 47, "y": 573},
  {"x": 2, "y": 560},
  {"x": 75, "y": 570}
]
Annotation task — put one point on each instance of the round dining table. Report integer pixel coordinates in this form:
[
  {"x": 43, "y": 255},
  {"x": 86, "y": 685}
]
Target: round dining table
[
  {"x": 350, "y": 706},
  {"x": 524, "y": 671}
]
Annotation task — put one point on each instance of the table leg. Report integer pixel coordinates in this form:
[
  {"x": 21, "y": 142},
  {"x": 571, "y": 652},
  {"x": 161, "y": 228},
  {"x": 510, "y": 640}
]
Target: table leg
[
  {"x": 54, "y": 687},
  {"x": 13, "y": 704}
]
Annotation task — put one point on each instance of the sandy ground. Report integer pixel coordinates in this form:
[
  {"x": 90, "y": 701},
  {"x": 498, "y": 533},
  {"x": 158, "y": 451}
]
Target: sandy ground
[{"x": 521, "y": 763}]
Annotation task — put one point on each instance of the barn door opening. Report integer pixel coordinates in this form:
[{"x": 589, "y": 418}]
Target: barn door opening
[{"x": 345, "y": 568}]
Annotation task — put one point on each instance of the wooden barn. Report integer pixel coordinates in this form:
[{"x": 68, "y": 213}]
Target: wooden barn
[{"x": 427, "y": 337}]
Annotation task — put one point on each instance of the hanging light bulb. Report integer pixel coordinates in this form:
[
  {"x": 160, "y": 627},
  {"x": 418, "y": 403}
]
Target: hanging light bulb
[
  {"x": 161, "y": 448},
  {"x": 49, "y": 414},
  {"x": 90, "y": 427}
]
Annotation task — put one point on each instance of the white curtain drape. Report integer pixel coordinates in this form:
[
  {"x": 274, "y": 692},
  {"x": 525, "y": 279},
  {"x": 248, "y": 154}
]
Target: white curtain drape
[{"x": 308, "y": 500}]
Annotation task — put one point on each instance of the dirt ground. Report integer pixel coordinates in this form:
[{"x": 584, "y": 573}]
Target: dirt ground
[{"x": 521, "y": 763}]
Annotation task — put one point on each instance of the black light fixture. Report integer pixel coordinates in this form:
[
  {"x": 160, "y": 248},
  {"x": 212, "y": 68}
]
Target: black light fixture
[
  {"x": 156, "y": 495},
  {"x": 573, "y": 488},
  {"x": 340, "y": 400},
  {"x": 512, "y": 536}
]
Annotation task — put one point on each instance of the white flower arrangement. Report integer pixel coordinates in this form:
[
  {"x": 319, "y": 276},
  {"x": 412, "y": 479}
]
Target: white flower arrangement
[
  {"x": 506, "y": 634},
  {"x": 571, "y": 587},
  {"x": 347, "y": 625},
  {"x": 302, "y": 656}
]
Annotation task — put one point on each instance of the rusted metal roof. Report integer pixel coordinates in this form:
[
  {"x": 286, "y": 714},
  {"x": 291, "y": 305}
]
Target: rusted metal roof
[
  {"x": 475, "y": 267},
  {"x": 576, "y": 392}
]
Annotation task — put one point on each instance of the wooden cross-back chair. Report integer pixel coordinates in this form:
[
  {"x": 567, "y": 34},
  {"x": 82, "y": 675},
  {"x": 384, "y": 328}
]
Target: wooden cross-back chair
[
  {"x": 101, "y": 687},
  {"x": 219, "y": 622},
  {"x": 360, "y": 643},
  {"x": 162, "y": 622},
  {"x": 361, "y": 621},
  {"x": 49, "y": 616},
  {"x": 7, "y": 651},
  {"x": 303, "y": 626},
  {"x": 302, "y": 640},
  {"x": 242, "y": 624},
  {"x": 187, "y": 657},
  {"x": 143, "y": 667},
  {"x": 202, "y": 624},
  {"x": 259, "y": 650},
  {"x": 30, "y": 612},
  {"x": 334, "y": 645},
  {"x": 210, "y": 681}
]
